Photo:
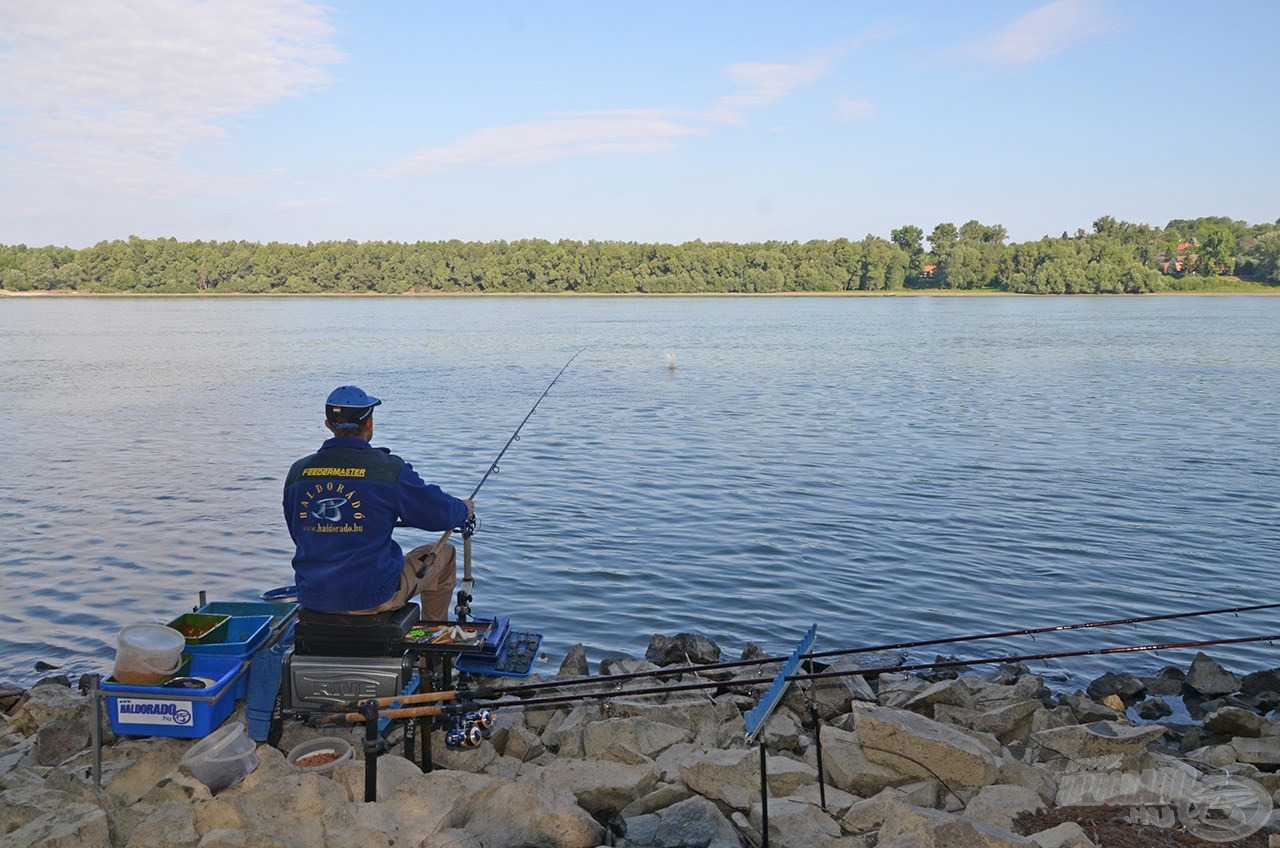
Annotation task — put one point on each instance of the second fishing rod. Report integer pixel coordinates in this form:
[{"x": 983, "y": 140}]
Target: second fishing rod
[{"x": 467, "y": 530}]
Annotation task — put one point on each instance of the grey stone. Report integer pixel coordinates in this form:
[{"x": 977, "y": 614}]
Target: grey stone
[
  {"x": 1099, "y": 739},
  {"x": 574, "y": 664},
  {"x": 638, "y": 733},
  {"x": 59, "y": 739},
  {"x": 691, "y": 823},
  {"x": 729, "y": 777},
  {"x": 528, "y": 812},
  {"x": 795, "y": 824},
  {"x": 1127, "y": 686},
  {"x": 999, "y": 804},
  {"x": 1235, "y": 721},
  {"x": 601, "y": 785},
  {"x": 1065, "y": 835},
  {"x": 922, "y": 828},
  {"x": 847, "y": 767},
  {"x": 692, "y": 648},
  {"x": 1209, "y": 678},
  {"x": 916, "y": 746}
]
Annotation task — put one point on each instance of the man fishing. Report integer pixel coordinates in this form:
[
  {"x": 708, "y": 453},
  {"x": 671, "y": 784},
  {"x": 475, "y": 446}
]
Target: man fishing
[{"x": 342, "y": 503}]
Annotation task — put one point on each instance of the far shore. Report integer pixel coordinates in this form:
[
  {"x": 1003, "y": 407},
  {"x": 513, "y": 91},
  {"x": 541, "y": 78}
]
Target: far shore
[{"x": 1243, "y": 289}]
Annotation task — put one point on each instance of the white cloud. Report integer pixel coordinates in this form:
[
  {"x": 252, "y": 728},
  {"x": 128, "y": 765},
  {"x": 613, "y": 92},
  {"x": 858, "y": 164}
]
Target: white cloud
[
  {"x": 560, "y": 136},
  {"x": 855, "y": 110},
  {"x": 625, "y": 131},
  {"x": 112, "y": 94},
  {"x": 1038, "y": 35}
]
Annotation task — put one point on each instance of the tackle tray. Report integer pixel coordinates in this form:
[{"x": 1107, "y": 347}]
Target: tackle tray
[
  {"x": 514, "y": 659},
  {"x": 483, "y": 635}
]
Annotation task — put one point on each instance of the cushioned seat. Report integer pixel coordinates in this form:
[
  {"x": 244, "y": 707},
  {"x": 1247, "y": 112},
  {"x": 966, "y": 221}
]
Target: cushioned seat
[{"x": 341, "y": 634}]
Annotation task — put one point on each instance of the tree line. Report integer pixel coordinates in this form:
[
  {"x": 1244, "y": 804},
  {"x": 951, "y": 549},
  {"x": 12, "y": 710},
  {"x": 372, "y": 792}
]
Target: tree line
[{"x": 1115, "y": 257}]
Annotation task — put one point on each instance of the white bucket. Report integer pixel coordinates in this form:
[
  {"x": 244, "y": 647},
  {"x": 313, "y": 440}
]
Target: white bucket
[
  {"x": 147, "y": 653},
  {"x": 223, "y": 758}
]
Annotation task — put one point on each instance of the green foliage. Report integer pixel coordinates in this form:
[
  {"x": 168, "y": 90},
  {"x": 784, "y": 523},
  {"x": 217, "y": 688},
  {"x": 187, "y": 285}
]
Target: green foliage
[{"x": 1117, "y": 257}]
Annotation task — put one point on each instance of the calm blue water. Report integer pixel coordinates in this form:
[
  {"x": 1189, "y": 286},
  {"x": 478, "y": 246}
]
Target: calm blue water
[{"x": 889, "y": 468}]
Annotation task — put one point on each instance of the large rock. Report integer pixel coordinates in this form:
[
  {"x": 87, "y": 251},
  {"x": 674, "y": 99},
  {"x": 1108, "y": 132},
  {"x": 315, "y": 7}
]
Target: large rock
[
  {"x": 916, "y": 746},
  {"x": 636, "y": 733},
  {"x": 601, "y": 785},
  {"x": 692, "y": 823},
  {"x": 33, "y": 815},
  {"x": 1209, "y": 678},
  {"x": 916, "y": 827},
  {"x": 1237, "y": 721},
  {"x": 690, "y": 648},
  {"x": 1097, "y": 740},
  {"x": 795, "y": 824},
  {"x": 999, "y": 804},
  {"x": 528, "y": 812},
  {"x": 846, "y": 765},
  {"x": 728, "y": 777}
]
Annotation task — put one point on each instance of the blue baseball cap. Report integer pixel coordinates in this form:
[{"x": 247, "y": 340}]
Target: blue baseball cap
[{"x": 347, "y": 406}]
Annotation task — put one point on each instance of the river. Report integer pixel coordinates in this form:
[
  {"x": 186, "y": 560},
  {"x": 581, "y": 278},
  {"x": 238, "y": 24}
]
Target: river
[{"x": 889, "y": 468}]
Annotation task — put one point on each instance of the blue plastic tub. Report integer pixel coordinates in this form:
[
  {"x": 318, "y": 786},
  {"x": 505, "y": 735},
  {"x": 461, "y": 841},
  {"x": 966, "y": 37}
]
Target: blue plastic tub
[
  {"x": 280, "y": 612},
  {"x": 245, "y": 635},
  {"x": 186, "y": 713}
]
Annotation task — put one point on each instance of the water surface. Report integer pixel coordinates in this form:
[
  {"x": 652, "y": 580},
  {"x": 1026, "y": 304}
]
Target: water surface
[{"x": 889, "y": 468}]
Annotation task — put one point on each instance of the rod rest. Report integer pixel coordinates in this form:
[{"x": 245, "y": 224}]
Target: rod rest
[{"x": 344, "y": 635}]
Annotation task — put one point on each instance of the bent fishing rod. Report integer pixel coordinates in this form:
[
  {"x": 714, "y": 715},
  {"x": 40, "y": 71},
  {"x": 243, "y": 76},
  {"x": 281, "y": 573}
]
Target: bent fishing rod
[
  {"x": 921, "y": 643},
  {"x": 469, "y": 527},
  {"x": 464, "y": 700}
]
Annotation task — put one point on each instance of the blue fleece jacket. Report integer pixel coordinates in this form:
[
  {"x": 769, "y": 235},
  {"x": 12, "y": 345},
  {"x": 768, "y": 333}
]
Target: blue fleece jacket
[{"x": 341, "y": 505}]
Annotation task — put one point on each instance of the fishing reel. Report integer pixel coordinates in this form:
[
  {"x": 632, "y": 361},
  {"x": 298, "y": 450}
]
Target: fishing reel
[
  {"x": 468, "y": 730},
  {"x": 468, "y": 528}
]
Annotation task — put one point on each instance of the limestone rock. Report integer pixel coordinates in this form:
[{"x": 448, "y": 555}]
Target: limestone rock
[
  {"x": 847, "y": 766},
  {"x": 729, "y": 777},
  {"x": 600, "y": 785},
  {"x": 1099, "y": 739},
  {"x": 999, "y": 804},
  {"x": 528, "y": 812},
  {"x": 795, "y": 824},
  {"x": 638, "y": 733},
  {"x": 920, "y": 747},
  {"x": 921, "y": 828}
]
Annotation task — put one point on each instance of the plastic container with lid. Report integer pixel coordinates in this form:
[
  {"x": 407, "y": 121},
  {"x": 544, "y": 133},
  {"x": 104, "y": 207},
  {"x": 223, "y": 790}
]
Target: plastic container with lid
[
  {"x": 147, "y": 653},
  {"x": 223, "y": 758}
]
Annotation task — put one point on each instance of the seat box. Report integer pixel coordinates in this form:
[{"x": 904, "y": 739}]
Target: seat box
[
  {"x": 339, "y": 635},
  {"x": 325, "y": 684},
  {"x": 164, "y": 711}
]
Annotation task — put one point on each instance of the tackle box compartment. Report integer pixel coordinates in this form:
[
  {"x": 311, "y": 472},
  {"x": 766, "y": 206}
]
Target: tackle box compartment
[
  {"x": 280, "y": 613},
  {"x": 166, "y": 711}
]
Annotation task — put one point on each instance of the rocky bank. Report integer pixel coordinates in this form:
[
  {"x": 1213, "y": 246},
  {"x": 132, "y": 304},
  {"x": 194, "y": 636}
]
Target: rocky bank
[{"x": 991, "y": 760}]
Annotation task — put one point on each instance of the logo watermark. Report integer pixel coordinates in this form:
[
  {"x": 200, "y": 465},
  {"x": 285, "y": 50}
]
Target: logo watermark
[{"x": 1216, "y": 808}]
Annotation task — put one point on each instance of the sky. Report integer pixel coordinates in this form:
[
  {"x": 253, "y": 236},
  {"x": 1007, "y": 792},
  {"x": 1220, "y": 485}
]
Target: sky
[{"x": 659, "y": 121}]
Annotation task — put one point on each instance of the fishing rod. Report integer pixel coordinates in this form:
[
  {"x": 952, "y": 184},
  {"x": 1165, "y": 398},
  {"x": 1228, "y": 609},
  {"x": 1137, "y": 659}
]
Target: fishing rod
[
  {"x": 468, "y": 528},
  {"x": 566, "y": 698},
  {"x": 921, "y": 643}
]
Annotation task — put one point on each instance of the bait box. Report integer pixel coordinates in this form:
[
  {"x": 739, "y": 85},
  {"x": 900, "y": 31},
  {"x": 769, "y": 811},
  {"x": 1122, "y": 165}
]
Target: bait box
[
  {"x": 486, "y": 636},
  {"x": 514, "y": 658},
  {"x": 280, "y": 613},
  {"x": 185, "y": 713},
  {"x": 200, "y": 627}
]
